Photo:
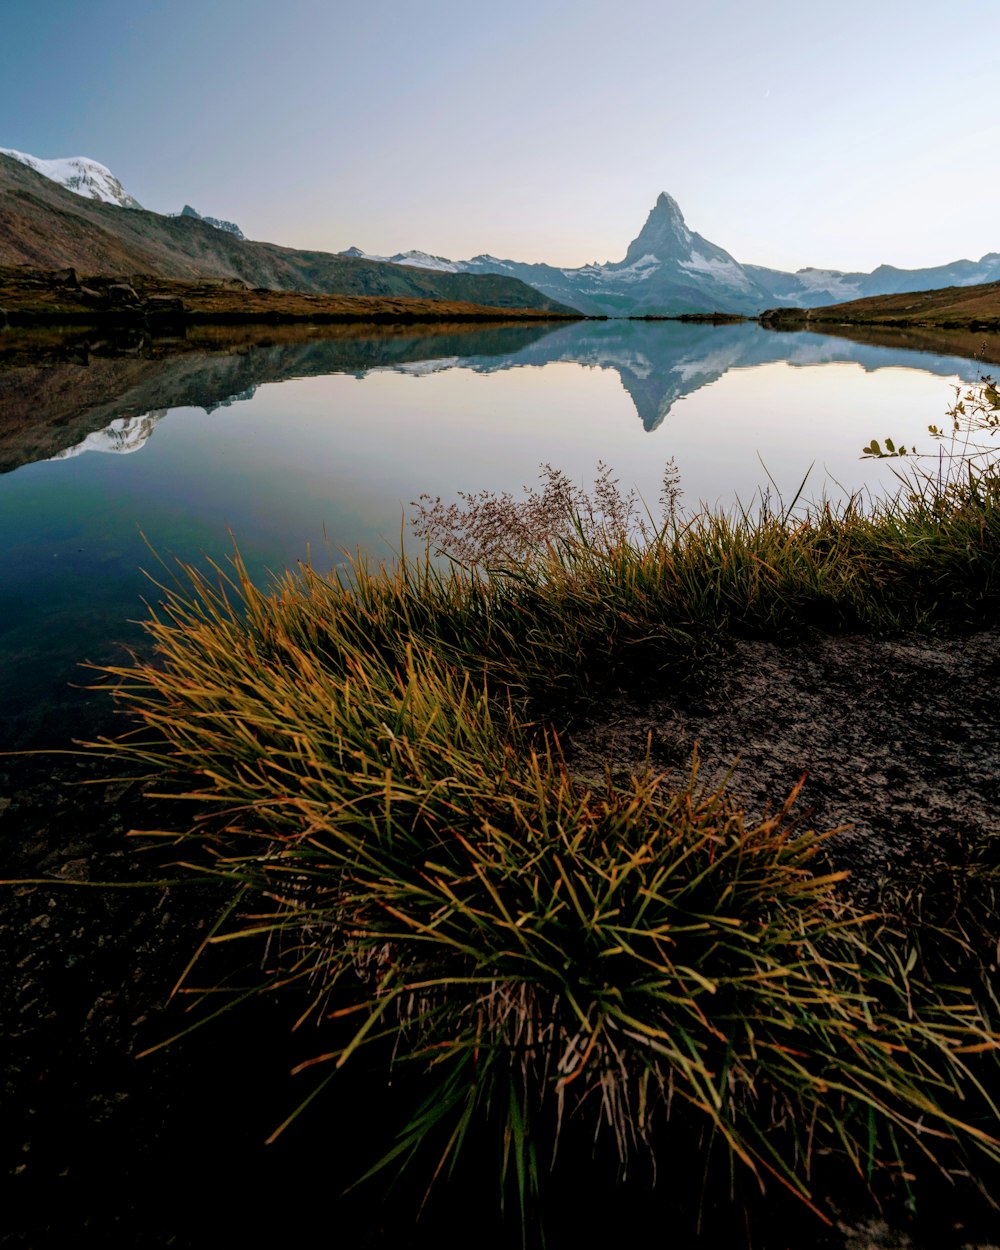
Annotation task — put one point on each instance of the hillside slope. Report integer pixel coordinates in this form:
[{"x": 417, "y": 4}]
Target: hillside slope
[
  {"x": 44, "y": 225},
  {"x": 33, "y": 297},
  {"x": 947, "y": 308}
]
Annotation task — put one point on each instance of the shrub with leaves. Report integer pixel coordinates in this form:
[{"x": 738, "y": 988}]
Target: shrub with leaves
[{"x": 967, "y": 446}]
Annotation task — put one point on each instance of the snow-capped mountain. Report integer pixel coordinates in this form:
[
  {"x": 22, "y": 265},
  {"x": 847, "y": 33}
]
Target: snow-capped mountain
[
  {"x": 79, "y": 174},
  {"x": 418, "y": 260},
  {"x": 670, "y": 269},
  {"x": 811, "y": 288},
  {"x": 96, "y": 182},
  {"x": 667, "y": 268}
]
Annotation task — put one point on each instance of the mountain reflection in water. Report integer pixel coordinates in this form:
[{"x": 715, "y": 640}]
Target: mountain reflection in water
[
  {"x": 55, "y": 407},
  {"x": 295, "y": 457}
]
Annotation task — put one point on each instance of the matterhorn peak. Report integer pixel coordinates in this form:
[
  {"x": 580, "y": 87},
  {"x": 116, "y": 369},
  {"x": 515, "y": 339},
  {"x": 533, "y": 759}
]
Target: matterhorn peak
[
  {"x": 664, "y": 235},
  {"x": 668, "y": 204}
]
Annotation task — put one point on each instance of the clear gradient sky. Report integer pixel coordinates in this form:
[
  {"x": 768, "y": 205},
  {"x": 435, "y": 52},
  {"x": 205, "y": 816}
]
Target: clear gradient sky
[{"x": 791, "y": 133}]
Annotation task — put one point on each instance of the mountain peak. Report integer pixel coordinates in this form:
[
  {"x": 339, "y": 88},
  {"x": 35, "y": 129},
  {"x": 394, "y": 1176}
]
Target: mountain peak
[
  {"x": 664, "y": 235},
  {"x": 667, "y": 204},
  {"x": 230, "y": 227},
  {"x": 79, "y": 174}
]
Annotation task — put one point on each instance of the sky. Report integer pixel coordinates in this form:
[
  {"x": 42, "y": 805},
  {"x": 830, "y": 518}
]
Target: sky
[{"x": 791, "y": 134}]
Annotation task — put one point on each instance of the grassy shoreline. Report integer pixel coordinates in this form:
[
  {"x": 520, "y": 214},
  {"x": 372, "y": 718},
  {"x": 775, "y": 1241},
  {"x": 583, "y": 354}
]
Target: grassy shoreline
[{"x": 377, "y": 766}]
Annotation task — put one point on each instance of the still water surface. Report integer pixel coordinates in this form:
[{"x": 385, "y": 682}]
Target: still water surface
[{"x": 320, "y": 442}]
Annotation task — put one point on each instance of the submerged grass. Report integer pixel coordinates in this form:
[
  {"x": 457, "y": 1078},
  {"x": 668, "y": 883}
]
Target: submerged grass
[{"x": 378, "y": 774}]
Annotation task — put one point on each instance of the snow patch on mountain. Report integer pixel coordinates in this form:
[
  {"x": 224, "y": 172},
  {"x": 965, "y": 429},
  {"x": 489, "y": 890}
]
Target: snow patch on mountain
[
  {"x": 423, "y": 368},
  {"x": 829, "y": 281},
  {"x": 728, "y": 271},
  {"x": 424, "y": 260},
  {"x": 640, "y": 270},
  {"x": 79, "y": 174},
  {"x": 415, "y": 259}
]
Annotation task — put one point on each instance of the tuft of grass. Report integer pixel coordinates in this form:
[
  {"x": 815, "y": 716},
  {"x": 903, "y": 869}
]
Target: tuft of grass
[{"x": 377, "y": 771}]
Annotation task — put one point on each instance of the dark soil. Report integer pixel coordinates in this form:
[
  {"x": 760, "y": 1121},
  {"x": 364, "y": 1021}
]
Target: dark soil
[
  {"x": 900, "y": 740},
  {"x": 897, "y": 742}
]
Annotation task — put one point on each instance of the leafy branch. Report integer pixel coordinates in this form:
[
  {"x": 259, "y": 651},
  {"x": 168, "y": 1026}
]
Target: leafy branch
[{"x": 967, "y": 441}]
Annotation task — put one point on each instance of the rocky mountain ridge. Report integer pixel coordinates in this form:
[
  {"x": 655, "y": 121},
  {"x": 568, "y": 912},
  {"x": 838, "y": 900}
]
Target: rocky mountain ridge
[
  {"x": 230, "y": 227},
  {"x": 669, "y": 269}
]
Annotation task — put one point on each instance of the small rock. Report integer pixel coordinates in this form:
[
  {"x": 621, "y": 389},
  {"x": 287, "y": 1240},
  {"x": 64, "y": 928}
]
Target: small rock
[
  {"x": 164, "y": 306},
  {"x": 122, "y": 295},
  {"x": 73, "y": 870}
]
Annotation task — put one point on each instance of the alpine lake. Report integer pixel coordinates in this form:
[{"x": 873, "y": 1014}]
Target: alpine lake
[{"x": 121, "y": 456}]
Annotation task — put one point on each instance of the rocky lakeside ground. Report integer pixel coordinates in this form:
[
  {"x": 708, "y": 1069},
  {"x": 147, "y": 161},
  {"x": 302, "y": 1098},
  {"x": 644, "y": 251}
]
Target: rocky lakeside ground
[{"x": 898, "y": 739}]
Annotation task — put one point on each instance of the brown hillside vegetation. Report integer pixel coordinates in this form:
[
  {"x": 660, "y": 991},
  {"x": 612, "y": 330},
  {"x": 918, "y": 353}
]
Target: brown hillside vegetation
[
  {"x": 64, "y": 297},
  {"x": 950, "y": 307},
  {"x": 44, "y": 225}
]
